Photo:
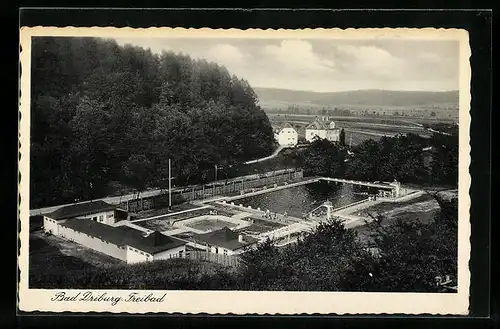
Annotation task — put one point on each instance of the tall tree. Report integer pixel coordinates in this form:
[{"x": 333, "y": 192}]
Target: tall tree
[
  {"x": 324, "y": 158},
  {"x": 342, "y": 137},
  {"x": 103, "y": 112}
]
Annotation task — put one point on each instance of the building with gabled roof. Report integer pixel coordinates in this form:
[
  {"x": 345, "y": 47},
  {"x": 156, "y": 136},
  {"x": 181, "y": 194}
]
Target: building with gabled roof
[
  {"x": 81, "y": 209},
  {"x": 322, "y": 128},
  {"x": 98, "y": 211},
  {"x": 286, "y": 135},
  {"x": 121, "y": 242},
  {"x": 224, "y": 241}
]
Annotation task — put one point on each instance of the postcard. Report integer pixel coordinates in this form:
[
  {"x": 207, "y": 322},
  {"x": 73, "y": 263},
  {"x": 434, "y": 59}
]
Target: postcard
[{"x": 227, "y": 171}]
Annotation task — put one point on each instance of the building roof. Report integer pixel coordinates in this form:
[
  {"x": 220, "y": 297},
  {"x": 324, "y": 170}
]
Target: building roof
[
  {"x": 319, "y": 125},
  {"x": 123, "y": 235},
  {"x": 284, "y": 125},
  {"x": 224, "y": 238},
  {"x": 80, "y": 209}
]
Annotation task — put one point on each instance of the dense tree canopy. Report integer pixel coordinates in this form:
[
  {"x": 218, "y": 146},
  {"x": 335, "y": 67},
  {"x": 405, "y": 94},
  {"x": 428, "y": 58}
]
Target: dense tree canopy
[
  {"x": 102, "y": 112},
  {"x": 324, "y": 158},
  {"x": 402, "y": 157}
]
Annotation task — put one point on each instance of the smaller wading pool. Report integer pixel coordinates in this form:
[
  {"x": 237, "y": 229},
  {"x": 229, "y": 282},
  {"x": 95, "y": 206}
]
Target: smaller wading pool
[{"x": 211, "y": 223}]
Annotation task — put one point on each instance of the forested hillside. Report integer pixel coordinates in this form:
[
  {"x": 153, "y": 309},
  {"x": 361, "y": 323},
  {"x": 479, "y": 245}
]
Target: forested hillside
[
  {"x": 102, "y": 114},
  {"x": 374, "y": 98}
]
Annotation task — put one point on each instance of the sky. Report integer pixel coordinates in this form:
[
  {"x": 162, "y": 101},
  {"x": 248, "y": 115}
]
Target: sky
[{"x": 325, "y": 65}]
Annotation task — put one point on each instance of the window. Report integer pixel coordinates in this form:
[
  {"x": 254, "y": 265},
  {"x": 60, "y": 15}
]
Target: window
[
  {"x": 216, "y": 250},
  {"x": 94, "y": 218},
  {"x": 100, "y": 218},
  {"x": 225, "y": 252}
]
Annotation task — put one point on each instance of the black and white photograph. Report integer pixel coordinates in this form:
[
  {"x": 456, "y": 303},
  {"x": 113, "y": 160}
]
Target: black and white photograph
[{"x": 287, "y": 163}]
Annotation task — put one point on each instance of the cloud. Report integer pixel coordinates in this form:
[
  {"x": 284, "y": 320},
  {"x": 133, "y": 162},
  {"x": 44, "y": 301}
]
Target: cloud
[
  {"x": 297, "y": 55},
  {"x": 430, "y": 57},
  {"x": 325, "y": 65},
  {"x": 370, "y": 60},
  {"x": 225, "y": 53}
]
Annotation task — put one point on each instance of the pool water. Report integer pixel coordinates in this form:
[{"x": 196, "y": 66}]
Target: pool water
[
  {"x": 299, "y": 200},
  {"x": 211, "y": 224}
]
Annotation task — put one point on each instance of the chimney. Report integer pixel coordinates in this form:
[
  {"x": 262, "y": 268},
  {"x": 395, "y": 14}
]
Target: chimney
[{"x": 240, "y": 238}]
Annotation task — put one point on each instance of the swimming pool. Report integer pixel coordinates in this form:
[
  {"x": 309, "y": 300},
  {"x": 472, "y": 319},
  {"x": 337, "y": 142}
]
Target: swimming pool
[{"x": 299, "y": 200}]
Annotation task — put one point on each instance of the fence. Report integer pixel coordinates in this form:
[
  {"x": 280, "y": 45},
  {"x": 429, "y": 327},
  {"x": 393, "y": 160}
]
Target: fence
[
  {"x": 222, "y": 187},
  {"x": 226, "y": 260}
]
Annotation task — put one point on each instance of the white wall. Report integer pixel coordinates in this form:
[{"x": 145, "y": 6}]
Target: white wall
[
  {"x": 105, "y": 217},
  {"x": 287, "y": 136},
  {"x": 311, "y": 133},
  {"x": 93, "y": 243},
  {"x": 333, "y": 135},
  {"x": 214, "y": 249},
  {"x": 50, "y": 225},
  {"x": 137, "y": 256},
  {"x": 171, "y": 253}
]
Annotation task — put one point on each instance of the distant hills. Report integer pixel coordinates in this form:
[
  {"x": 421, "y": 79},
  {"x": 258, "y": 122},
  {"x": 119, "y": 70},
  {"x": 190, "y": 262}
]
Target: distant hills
[{"x": 271, "y": 97}]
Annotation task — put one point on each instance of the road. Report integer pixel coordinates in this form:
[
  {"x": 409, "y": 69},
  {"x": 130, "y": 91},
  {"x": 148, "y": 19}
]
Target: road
[
  {"x": 275, "y": 153},
  {"x": 112, "y": 200}
]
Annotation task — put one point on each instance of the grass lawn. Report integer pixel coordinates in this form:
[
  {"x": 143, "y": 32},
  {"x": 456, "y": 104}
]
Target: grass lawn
[
  {"x": 156, "y": 225},
  {"x": 422, "y": 208},
  {"x": 165, "y": 211},
  {"x": 261, "y": 226},
  {"x": 388, "y": 206}
]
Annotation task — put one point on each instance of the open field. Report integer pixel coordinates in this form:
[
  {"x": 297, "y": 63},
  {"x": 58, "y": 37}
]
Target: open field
[
  {"x": 361, "y": 128},
  {"x": 394, "y": 120}
]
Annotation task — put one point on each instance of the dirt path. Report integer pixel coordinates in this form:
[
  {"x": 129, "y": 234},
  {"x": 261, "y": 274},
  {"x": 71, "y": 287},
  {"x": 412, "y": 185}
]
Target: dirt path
[{"x": 275, "y": 153}]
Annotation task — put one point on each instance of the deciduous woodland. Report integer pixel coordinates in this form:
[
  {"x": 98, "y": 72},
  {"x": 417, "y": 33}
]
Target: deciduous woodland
[{"x": 104, "y": 113}]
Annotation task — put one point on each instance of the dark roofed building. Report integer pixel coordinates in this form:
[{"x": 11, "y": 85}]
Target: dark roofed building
[
  {"x": 98, "y": 211},
  {"x": 322, "y": 129},
  {"x": 224, "y": 241},
  {"x": 284, "y": 125},
  {"x": 81, "y": 209},
  {"x": 319, "y": 125},
  {"x": 152, "y": 243}
]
